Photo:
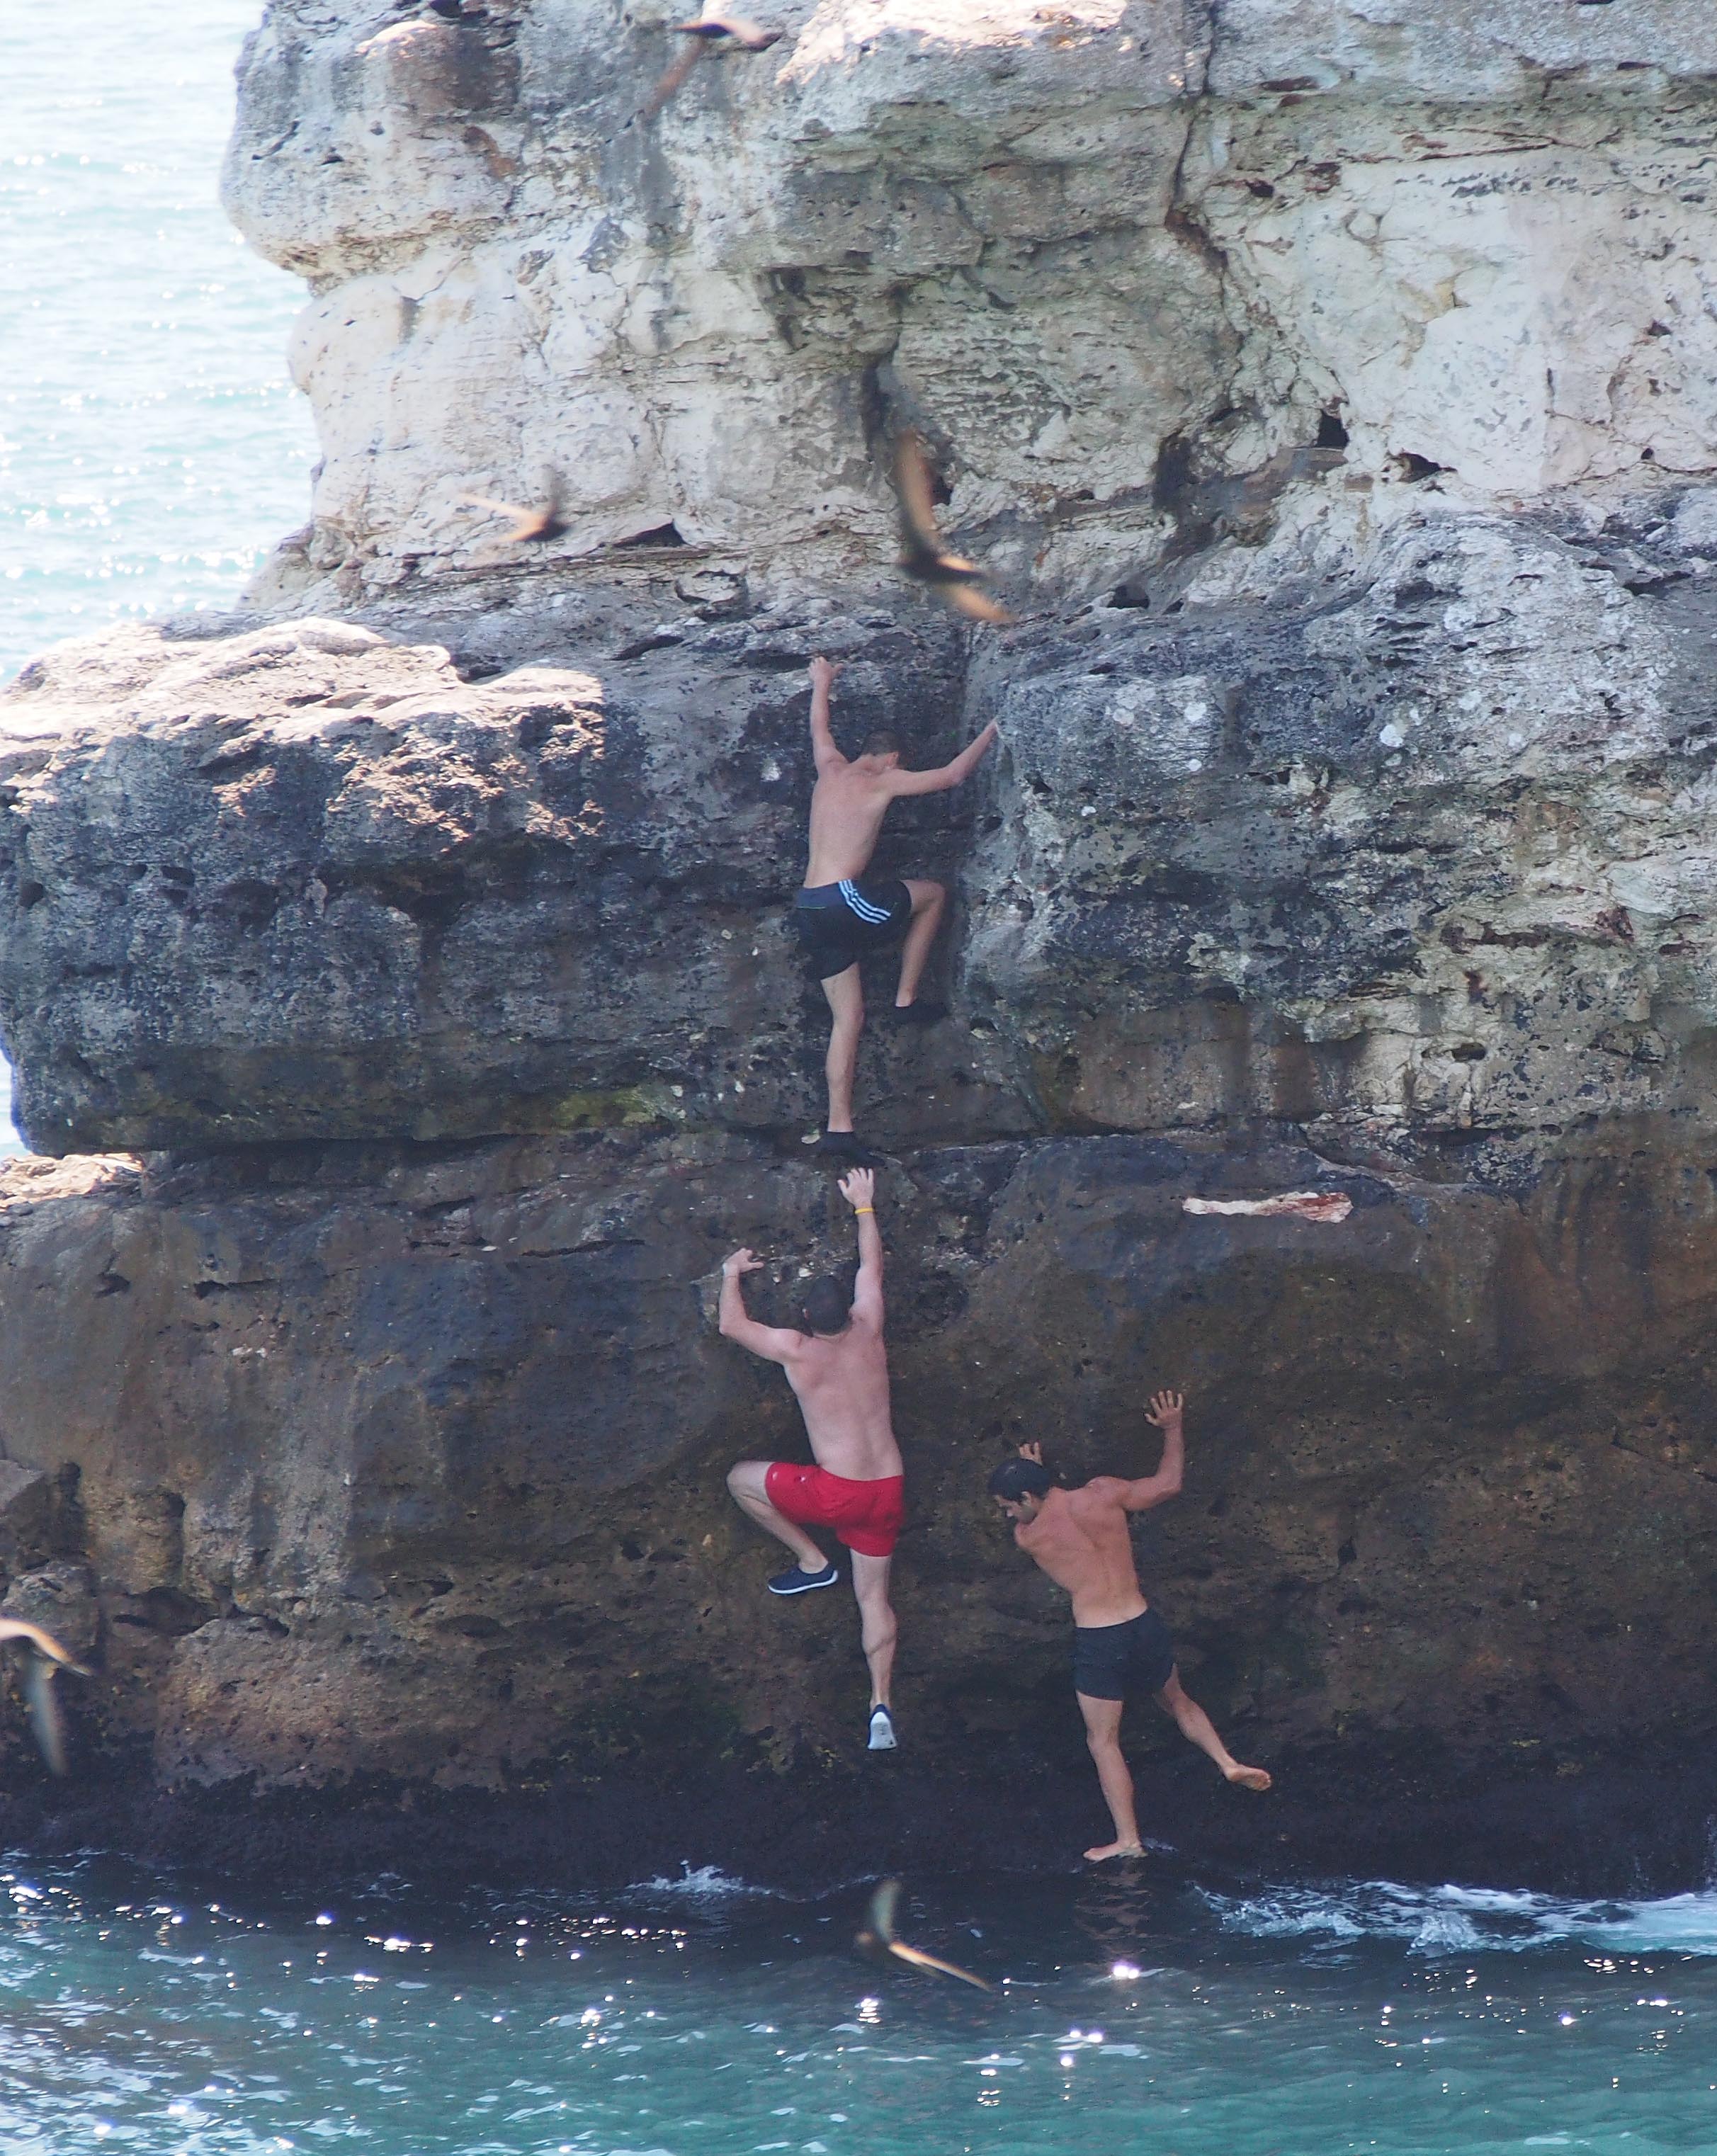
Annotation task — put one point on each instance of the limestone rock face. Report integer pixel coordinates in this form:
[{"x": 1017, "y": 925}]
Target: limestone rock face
[
  {"x": 1073, "y": 241},
  {"x": 1418, "y": 859},
  {"x": 398, "y": 969},
  {"x": 414, "y": 1467},
  {"x": 308, "y": 883}
]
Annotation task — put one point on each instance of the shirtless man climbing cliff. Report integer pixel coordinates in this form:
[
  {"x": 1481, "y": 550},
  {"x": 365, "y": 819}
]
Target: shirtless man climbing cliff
[
  {"x": 838, "y": 1369},
  {"x": 841, "y": 914},
  {"x": 1121, "y": 1646}
]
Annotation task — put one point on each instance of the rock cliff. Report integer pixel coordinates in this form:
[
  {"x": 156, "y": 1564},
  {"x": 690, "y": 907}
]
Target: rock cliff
[{"x": 398, "y": 968}]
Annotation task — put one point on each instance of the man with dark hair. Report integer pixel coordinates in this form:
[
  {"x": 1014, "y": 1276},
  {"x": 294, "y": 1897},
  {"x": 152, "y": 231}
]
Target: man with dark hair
[
  {"x": 838, "y": 1369},
  {"x": 841, "y": 914},
  {"x": 1121, "y": 1647}
]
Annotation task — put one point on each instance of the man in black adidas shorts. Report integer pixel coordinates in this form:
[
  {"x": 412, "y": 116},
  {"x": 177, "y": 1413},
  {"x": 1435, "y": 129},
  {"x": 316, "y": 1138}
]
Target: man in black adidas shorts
[
  {"x": 841, "y": 914},
  {"x": 1121, "y": 1647}
]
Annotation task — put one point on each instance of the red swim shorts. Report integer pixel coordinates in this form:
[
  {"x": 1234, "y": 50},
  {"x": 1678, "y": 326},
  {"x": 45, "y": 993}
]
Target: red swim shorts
[{"x": 864, "y": 1516}]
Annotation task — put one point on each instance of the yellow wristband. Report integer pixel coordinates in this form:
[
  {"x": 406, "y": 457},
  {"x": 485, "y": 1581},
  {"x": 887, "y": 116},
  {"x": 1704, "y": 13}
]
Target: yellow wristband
[{"x": 857, "y": 1210}]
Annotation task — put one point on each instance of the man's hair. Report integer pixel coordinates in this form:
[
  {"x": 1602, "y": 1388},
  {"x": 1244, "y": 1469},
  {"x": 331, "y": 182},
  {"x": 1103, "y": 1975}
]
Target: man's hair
[
  {"x": 825, "y": 1305},
  {"x": 882, "y": 742},
  {"x": 1015, "y": 1479}
]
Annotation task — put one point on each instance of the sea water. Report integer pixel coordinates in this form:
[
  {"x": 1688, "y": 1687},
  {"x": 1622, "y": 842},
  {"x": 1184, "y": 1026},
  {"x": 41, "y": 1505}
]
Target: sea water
[
  {"x": 151, "y": 444},
  {"x": 692, "y": 2018}
]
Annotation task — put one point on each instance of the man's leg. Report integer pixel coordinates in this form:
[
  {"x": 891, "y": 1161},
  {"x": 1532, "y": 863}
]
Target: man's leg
[
  {"x": 746, "y": 1483},
  {"x": 878, "y": 1629},
  {"x": 1196, "y": 1727},
  {"x": 928, "y": 901},
  {"x": 1103, "y": 1733},
  {"x": 846, "y": 1000}
]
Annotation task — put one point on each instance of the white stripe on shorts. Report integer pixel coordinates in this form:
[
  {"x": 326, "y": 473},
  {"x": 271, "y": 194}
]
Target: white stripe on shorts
[{"x": 866, "y": 911}]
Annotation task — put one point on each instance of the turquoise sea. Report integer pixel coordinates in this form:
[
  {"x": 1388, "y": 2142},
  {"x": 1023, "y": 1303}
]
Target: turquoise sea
[
  {"x": 152, "y": 445},
  {"x": 693, "y": 2018}
]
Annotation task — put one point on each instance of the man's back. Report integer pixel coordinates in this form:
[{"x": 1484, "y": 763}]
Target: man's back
[
  {"x": 1080, "y": 1538},
  {"x": 848, "y": 804},
  {"x": 841, "y": 1385}
]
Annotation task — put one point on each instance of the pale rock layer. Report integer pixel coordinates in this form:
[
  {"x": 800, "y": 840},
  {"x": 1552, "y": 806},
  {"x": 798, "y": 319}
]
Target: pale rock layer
[{"x": 1478, "y": 235}]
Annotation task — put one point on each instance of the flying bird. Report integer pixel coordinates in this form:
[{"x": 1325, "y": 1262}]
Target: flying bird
[
  {"x": 43, "y": 1659},
  {"x": 712, "y": 24},
  {"x": 531, "y": 527},
  {"x": 923, "y": 556},
  {"x": 877, "y": 1938},
  {"x": 705, "y": 34}
]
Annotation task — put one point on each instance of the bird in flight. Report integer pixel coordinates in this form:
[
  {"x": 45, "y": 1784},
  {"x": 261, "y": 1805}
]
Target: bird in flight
[
  {"x": 531, "y": 527},
  {"x": 923, "y": 556},
  {"x": 705, "y": 33},
  {"x": 712, "y": 24},
  {"x": 43, "y": 1658},
  {"x": 877, "y": 1938}
]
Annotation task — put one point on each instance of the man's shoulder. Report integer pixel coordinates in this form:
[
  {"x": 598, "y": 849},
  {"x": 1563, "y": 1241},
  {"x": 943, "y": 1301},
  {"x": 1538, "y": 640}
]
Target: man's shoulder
[{"x": 1099, "y": 1494}]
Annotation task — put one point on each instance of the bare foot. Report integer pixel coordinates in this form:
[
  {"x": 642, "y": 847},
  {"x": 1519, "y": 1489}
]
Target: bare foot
[
  {"x": 1248, "y": 1778},
  {"x": 1114, "y": 1849}
]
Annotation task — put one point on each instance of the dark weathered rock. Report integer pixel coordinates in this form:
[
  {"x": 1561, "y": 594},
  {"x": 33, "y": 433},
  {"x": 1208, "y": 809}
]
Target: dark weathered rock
[
  {"x": 307, "y": 883},
  {"x": 410, "y": 1465},
  {"x": 1415, "y": 859},
  {"x": 61, "y": 1598}
]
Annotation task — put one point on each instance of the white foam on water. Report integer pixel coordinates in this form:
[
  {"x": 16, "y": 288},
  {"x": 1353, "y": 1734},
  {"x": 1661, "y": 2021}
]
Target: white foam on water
[
  {"x": 1686, "y": 1923},
  {"x": 708, "y": 1883},
  {"x": 1443, "y": 1921}
]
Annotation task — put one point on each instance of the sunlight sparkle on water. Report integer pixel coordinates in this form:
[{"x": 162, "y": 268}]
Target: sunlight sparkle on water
[{"x": 167, "y": 2021}]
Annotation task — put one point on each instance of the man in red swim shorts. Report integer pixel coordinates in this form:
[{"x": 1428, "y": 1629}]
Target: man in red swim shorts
[{"x": 839, "y": 1369}]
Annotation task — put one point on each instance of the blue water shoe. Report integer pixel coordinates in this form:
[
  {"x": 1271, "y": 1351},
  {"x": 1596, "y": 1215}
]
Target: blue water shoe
[{"x": 798, "y": 1581}]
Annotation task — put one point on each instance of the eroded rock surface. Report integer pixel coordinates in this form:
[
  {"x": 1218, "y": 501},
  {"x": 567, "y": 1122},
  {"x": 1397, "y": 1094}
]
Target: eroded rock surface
[
  {"x": 1418, "y": 859},
  {"x": 306, "y": 883},
  {"x": 414, "y": 1467},
  {"x": 1328, "y": 386},
  {"x": 1108, "y": 253}
]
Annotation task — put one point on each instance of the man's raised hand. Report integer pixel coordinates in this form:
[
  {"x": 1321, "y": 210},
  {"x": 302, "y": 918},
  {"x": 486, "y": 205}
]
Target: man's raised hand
[
  {"x": 823, "y": 672},
  {"x": 1165, "y": 1407},
  {"x": 742, "y": 1261},
  {"x": 859, "y": 1187},
  {"x": 1033, "y": 1452}
]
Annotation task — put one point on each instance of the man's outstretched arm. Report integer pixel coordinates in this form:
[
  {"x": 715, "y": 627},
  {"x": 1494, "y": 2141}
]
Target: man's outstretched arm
[
  {"x": 1165, "y": 1411},
  {"x": 859, "y": 1189},
  {"x": 774, "y": 1342},
  {"x": 828, "y": 758},
  {"x": 949, "y": 774}
]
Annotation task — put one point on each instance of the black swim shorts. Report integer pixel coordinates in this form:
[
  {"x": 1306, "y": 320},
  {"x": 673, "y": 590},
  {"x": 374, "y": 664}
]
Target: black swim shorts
[
  {"x": 839, "y": 923},
  {"x": 1120, "y": 1661}
]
